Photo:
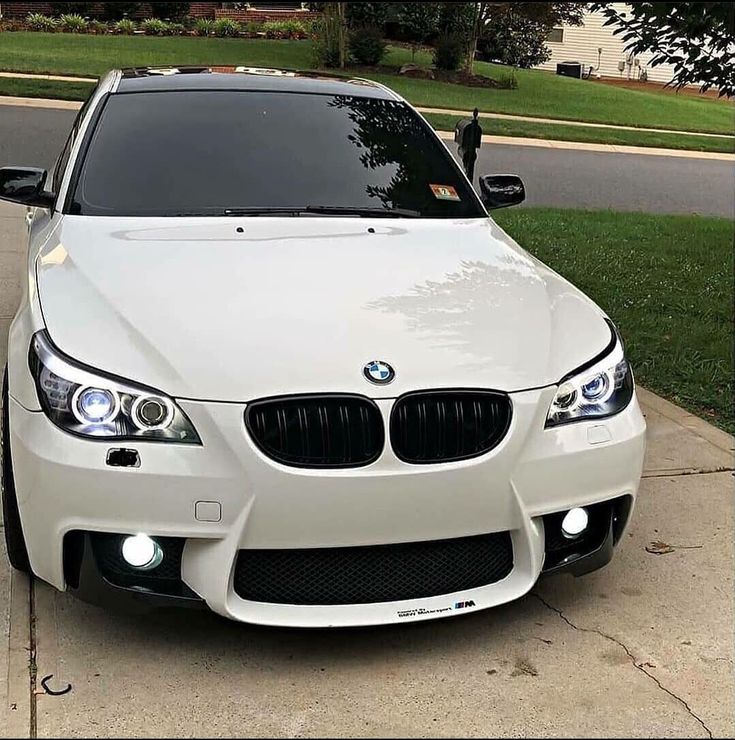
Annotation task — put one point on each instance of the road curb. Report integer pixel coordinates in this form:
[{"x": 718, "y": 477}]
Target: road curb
[
  {"x": 581, "y": 146},
  {"x": 722, "y": 440}
]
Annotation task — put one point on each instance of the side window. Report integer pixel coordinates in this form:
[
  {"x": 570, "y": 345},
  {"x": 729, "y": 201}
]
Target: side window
[{"x": 63, "y": 160}]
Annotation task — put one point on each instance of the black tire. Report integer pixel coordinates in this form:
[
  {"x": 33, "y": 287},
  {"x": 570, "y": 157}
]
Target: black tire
[{"x": 14, "y": 540}]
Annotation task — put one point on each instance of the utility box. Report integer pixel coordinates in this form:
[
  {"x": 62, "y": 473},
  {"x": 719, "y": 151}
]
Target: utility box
[
  {"x": 468, "y": 135},
  {"x": 569, "y": 69}
]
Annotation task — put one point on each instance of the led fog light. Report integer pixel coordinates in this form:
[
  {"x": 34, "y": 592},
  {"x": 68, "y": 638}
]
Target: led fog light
[
  {"x": 142, "y": 552},
  {"x": 575, "y": 522}
]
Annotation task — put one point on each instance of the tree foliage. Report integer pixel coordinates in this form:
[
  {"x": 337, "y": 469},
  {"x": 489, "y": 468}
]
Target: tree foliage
[
  {"x": 697, "y": 39},
  {"x": 470, "y": 20},
  {"x": 417, "y": 22}
]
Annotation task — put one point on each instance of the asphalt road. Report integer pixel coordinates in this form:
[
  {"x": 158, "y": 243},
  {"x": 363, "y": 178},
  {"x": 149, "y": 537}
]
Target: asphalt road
[{"x": 554, "y": 177}]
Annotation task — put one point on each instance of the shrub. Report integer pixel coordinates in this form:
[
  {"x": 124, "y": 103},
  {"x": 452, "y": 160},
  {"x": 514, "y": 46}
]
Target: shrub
[
  {"x": 73, "y": 23},
  {"x": 252, "y": 28},
  {"x": 176, "y": 29},
  {"x": 126, "y": 27},
  {"x": 83, "y": 9},
  {"x": 98, "y": 27},
  {"x": 174, "y": 11},
  {"x": 326, "y": 47},
  {"x": 226, "y": 27},
  {"x": 284, "y": 30},
  {"x": 204, "y": 27},
  {"x": 116, "y": 11},
  {"x": 155, "y": 27},
  {"x": 367, "y": 45},
  {"x": 448, "y": 53},
  {"x": 40, "y": 22}
]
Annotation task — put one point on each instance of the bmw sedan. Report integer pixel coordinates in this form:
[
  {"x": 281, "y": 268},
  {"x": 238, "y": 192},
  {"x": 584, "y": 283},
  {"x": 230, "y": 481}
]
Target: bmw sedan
[{"x": 275, "y": 358}]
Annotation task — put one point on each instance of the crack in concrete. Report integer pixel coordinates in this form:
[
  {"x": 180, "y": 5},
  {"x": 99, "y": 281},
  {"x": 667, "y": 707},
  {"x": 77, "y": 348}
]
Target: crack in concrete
[
  {"x": 686, "y": 472},
  {"x": 632, "y": 657}
]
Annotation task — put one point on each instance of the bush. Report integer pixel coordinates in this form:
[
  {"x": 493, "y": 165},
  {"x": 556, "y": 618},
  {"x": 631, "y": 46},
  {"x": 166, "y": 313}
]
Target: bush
[
  {"x": 40, "y": 22},
  {"x": 225, "y": 27},
  {"x": 116, "y": 11},
  {"x": 284, "y": 30},
  {"x": 72, "y": 23},
  {"x": 83, "y": 9},
  {"x": 173, "y": 11},
  {"x": 252, "y": 28},
  {"x": 98, "y": 27},
  {"x": 204, "y": 27},
  {"x": 326, "y": 48},
  {"x": 367, "y": 45},
  {"x": 126, "y": 27},
  {"x": 448, "y": 53},
  {"x": 155, "y": 27}
]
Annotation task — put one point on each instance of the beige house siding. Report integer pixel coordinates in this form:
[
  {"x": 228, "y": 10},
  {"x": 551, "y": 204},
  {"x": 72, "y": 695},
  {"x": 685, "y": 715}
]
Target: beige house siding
[{"x": 581, "y": 43}]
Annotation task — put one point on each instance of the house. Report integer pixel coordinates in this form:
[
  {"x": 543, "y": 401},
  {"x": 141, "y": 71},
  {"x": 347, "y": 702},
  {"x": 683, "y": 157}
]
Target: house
[{"x": 594, "y": 45}]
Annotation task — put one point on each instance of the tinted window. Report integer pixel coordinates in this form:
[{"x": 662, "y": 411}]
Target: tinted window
[{"x": 206, "y": 152}]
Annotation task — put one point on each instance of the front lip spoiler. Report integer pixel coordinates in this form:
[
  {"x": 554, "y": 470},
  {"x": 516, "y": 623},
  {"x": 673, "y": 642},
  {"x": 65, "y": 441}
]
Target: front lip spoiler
[{"x": 93, "y": 588}]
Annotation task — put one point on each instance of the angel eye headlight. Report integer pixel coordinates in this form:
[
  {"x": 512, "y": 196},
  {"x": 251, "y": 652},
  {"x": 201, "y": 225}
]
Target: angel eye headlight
[
  {"x": 602, "y": 390},
  {"x": 90, "y": 404}
]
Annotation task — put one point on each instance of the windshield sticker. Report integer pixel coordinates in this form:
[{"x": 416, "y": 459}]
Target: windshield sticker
[{"x": 445, "y": 192}]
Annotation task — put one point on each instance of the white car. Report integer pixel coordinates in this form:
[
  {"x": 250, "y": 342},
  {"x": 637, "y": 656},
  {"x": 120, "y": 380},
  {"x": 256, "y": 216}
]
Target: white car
[{"x": 274, "y": 358}]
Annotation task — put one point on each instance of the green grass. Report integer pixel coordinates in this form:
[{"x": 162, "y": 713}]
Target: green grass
[
  {"x": 562, "y": 132},
  {"x": 538, "y": 94},
  {"x": 667, "y": 283},
  {"x": 45, "y": 89}
]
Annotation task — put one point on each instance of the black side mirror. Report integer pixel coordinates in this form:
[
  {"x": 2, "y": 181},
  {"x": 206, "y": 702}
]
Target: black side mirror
[
  {"x": 501, "y": 191},
  {"x": 24, "y": 185}
]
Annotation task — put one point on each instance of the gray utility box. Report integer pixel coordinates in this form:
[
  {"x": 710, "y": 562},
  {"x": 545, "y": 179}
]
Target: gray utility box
[{"x": 569, "y": 69}]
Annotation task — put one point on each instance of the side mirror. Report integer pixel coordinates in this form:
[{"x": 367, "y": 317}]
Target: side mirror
[
  {"x": 24, "y": 185},
  {"x": 501, "y": 191}
]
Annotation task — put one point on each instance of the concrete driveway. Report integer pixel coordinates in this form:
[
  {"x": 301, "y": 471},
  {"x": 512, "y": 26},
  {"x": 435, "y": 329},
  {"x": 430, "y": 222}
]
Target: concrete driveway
[{"x": 643, "y": 648}]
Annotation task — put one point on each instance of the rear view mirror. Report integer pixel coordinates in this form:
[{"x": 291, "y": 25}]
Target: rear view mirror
[
  {"x": 24, "y": 185},
  {"x": 501, "y": 191}
]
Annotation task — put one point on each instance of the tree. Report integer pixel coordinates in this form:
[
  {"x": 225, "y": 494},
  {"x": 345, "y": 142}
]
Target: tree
[
  {"x": 697, "y": 39},
  {"x": 417, "y": 21},
  {"x": 331, "y": 46},
  {"x": 469, "y": 20}
]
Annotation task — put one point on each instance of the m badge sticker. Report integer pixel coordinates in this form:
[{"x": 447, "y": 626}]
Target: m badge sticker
[{"x": 445, "y": 192}]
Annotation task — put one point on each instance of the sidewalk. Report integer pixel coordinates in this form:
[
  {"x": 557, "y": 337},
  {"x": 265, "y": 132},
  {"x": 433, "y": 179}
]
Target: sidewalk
[{"x": 642, "y": 648}]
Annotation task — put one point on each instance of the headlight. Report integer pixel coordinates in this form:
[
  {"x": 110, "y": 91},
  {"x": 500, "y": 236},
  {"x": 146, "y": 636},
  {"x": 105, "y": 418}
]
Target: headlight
[
  {"x": 88, "y": 403},
  {"x": 601, "y": 390}
]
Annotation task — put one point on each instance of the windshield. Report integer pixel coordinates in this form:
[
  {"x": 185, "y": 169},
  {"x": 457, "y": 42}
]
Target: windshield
[{"x": 250, "y": 153}]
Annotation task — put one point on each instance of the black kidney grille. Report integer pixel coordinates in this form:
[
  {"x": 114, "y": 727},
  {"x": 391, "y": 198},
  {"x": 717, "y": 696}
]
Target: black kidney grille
[
  {"x": 317, "y": 431},
  {"x": 445, "y": 426},
  {"x": 370, "y": 575}
]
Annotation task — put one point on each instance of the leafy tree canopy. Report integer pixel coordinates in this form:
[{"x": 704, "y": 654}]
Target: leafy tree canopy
[{"x": 698, "y": 39}]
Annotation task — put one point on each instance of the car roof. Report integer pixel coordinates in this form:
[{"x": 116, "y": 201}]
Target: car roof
[{"x": 161, "y": 79}]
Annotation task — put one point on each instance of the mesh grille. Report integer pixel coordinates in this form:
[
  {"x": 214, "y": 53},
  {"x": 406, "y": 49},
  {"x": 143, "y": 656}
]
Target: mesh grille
[
  {"x": 366, "y": 575},
  {"x": 444, "y": 426},
  {"x": 317, "y": 432}
]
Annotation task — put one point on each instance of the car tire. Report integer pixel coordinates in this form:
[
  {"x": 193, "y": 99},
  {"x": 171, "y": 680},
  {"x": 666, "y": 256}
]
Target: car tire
[{"x": 14, "y": 540}]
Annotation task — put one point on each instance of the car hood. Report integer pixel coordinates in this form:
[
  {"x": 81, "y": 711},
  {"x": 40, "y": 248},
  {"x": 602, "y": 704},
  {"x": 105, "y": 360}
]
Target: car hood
[{"x": 237, "y": 309}]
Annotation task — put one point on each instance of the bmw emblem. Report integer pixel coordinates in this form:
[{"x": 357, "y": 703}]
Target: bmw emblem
[{"x": 380, "y": 373}]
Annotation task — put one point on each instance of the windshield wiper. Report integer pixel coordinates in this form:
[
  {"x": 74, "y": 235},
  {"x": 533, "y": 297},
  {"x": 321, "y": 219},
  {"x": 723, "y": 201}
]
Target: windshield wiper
[
  {"x": 363, "y": 211},
  {"x": 263, "y": 211}
]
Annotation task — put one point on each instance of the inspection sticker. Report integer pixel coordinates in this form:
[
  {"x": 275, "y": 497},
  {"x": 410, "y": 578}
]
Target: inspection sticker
[{"x": 444, "y": 192}]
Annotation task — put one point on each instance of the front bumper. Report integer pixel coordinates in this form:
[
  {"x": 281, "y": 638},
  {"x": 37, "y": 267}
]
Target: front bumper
[{"x": 65, "y": 485}]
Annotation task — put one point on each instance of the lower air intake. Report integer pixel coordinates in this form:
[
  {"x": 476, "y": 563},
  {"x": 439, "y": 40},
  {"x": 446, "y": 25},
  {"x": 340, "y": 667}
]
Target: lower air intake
[{"x": 375, "y": 574}]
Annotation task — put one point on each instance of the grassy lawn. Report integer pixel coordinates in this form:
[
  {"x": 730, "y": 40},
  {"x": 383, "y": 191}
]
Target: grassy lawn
[
  {"x": 561, "y": 132},
  {"x": 538, "y": 94},
  {"x": 667, "y": 283}
]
